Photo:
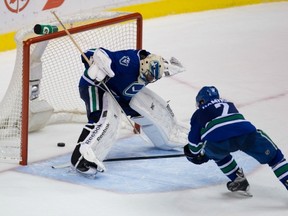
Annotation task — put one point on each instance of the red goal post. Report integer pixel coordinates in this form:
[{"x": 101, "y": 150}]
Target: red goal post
[{"x": 43, "y": 88}]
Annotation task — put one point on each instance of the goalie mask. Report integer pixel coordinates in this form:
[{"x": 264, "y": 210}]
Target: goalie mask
[{"x": 151, "y": 69}]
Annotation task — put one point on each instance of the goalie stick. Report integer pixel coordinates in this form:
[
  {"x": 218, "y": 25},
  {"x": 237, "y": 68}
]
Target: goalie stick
[
  {"x": 66, "y": 165},
  {"x": 144, "y": 157}
]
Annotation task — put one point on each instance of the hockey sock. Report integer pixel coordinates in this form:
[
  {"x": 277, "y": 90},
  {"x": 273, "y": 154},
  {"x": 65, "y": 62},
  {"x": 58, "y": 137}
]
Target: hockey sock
[
  {"x": 229, "y": 167},
  {"x": 279, "y": 166},
  {"x": 281, "y": 172}
]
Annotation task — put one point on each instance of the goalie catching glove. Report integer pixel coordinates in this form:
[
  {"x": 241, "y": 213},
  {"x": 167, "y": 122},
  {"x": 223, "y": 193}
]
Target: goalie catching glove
[
  {"x": 153, "y": 67},
  {"x": 100, "y": 66},
  {"x": 173, "y": 67}
]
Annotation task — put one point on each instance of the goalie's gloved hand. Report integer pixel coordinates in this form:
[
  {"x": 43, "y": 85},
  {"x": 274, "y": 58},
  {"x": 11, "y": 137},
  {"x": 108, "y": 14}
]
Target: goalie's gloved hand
[
  {"x": 175, "y": 62},
  {"x": 97, "y": 74},
  {"x": 196, "y": 159},
  {"x": 173, "y": 67}
]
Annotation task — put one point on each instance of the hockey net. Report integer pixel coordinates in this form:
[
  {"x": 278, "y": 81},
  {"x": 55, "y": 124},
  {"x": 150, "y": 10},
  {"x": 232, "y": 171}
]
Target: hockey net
[{"x": 44, "y": 85}]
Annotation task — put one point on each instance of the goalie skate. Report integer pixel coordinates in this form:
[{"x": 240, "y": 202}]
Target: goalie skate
[{"x": 89, "y": 169}]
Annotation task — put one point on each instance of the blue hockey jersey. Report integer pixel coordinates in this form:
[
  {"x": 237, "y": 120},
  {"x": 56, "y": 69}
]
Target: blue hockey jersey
[
  {"x": 216, "y": 121},
  {"x": 125, "y": 64}
]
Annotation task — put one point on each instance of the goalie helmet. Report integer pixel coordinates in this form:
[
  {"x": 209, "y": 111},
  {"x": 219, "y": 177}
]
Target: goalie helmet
[
  {"x": 206, "y": 94},
  {"x": 151, "y": 69}
]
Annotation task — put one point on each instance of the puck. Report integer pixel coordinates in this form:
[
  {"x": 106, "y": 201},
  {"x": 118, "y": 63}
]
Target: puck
[{"x": 61, "y": 144}]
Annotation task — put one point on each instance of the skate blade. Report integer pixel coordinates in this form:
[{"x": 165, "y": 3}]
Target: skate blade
[
  {"x": 244, "y": 193},
  {"x": 86, "y": 175}
]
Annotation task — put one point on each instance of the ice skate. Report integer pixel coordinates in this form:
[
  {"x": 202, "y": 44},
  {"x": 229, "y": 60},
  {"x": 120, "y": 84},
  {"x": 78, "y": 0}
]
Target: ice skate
[
  {"x": 240, "y": 184},
  {"x": 88, "y": 169}
]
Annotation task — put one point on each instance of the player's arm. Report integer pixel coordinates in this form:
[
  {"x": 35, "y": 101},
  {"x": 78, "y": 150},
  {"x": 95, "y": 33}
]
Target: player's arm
[
  {"x": 194, "y": 150},
  {"x": 100, "y": 66},
  {"x": 195, "y": 153}
]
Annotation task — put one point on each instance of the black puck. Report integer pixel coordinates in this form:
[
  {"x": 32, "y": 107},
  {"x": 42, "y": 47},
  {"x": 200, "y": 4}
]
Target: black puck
[{"x": 61, "y": 144}]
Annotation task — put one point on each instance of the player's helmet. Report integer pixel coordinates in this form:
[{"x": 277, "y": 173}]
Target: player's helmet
[
  {"x": 151, "y": 68},
  {"x": 206, "y": 94}
]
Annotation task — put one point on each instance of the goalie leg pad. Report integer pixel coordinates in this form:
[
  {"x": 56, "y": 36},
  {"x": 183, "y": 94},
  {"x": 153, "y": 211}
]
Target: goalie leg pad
[
  {"x": 154, "y": 133},
  {"x": 92, "y": 161},
  {"x": 158, "y": 122},
  {"x": 82, "y": 165},
  {"x": 97, "y": 139},
  {"x": 105, "y": 133}
]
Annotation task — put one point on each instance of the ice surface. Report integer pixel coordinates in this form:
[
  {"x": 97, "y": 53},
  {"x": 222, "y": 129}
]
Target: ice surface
[{"x": 242, "y": 51}]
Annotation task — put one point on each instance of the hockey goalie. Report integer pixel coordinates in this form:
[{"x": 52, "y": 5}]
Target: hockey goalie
[{"x": 113, "y": 84}]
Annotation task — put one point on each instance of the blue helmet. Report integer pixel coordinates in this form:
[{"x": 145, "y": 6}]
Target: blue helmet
[{"x": 206, "y": 94}]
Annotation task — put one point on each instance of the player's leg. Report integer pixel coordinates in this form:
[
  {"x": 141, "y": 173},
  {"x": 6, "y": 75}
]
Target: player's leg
[
  {"x": 220, "y": 153},
  {"x": 97, "y": 137},
  {"x": 83, "y": 158},
  {"x": 265, "y": 151},
  {"x": 230, "y": 168},
  {"x": 93, "y": 99},
  {"x": 279, "y": 166}
]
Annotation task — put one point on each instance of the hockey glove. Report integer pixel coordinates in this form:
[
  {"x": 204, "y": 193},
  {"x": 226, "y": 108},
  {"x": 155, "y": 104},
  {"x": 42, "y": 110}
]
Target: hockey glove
[
  {"x": 103, "y": 62},
  {"x": 100, "y": 66},
  {"x": 173, "y": 67},
  {"x": 196, "y": 159}
]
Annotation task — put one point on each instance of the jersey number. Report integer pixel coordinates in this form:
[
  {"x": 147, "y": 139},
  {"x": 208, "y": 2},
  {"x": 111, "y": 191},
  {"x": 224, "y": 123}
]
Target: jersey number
[{"x": 225, "y": 107}]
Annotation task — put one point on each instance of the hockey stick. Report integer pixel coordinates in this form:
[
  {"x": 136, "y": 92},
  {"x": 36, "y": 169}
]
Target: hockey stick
[
  {"x": 144, "y": 157},
  {"x": 66, "y": 165}
]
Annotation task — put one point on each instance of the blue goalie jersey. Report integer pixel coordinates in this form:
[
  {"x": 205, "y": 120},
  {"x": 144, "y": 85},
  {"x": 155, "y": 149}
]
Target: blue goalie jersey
[
  {"x": 125, "y": 64},
  {"x": 216, "y": 121}
]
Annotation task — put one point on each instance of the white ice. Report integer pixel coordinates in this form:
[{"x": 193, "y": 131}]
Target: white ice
[{"x": 244, "y": 52}]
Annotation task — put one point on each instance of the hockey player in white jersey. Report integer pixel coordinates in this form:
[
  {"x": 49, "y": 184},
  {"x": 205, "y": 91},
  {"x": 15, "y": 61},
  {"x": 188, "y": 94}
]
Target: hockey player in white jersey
[{"x": 114, "y": 82}]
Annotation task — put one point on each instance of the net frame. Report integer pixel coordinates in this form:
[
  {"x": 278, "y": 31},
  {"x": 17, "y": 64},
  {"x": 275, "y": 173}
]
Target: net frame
[{"x": 27, "y": 40}]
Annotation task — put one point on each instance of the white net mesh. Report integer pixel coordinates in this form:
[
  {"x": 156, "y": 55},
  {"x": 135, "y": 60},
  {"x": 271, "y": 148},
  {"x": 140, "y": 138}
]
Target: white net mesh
[{"x": 60, "y": 70}]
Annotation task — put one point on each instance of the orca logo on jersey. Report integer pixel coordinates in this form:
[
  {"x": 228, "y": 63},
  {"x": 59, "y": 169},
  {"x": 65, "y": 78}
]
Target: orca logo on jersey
[
  {"x": 125, "y": 60},
  {"x": 132, "y": 89}
]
